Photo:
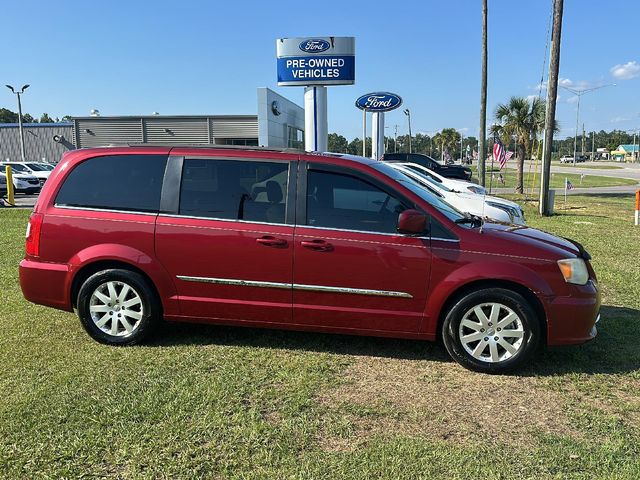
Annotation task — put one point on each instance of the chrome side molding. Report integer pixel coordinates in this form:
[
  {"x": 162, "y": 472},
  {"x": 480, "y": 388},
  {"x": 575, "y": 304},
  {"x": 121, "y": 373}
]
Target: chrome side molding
[{"x": 295, "y": 286}]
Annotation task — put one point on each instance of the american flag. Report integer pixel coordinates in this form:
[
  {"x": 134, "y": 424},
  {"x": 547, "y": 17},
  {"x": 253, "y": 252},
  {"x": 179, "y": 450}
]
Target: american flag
[
  {"x": 499, "y": 153},
  {"x": 568, "y": 185}
]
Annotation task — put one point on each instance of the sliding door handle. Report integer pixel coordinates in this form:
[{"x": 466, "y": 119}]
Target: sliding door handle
[{"x": 318, "y": 245}]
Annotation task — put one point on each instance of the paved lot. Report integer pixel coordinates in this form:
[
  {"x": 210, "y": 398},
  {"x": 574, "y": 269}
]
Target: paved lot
[{"x": 25, "y": 201}]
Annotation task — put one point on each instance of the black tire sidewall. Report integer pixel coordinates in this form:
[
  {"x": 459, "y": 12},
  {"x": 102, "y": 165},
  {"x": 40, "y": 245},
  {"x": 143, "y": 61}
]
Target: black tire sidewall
[
  {"x": 150, "y": 306},
  {"x": 513, "y": 300}
]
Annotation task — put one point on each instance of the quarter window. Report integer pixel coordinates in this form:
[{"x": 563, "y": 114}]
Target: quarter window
[
  {"x": 234, "y": 190},
  {"x": 115, "y": 182},
  {"x": 336, "y": 200}
]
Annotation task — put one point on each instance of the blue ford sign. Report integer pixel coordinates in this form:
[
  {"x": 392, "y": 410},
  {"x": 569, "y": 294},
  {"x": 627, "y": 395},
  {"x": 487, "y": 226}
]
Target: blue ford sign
[
  {"x": 379, "y": 102},
  {"x": 314, "y": 45},
  {"x": 308, "y": 61}
]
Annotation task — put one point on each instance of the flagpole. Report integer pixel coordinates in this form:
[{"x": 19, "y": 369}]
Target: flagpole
[{"x": 491, "y": 176}]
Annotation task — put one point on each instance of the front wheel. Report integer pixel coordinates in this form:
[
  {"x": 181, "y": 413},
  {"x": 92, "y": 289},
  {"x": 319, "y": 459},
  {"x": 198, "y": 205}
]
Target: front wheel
[
  {"x": 118, "y": 307},
  {"x": 493, "y": 330}
]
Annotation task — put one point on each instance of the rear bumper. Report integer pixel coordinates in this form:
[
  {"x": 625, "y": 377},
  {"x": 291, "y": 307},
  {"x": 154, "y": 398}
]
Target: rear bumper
[
  {"x": 572, "y": 320},
  {"x": 46, "y": 283}
]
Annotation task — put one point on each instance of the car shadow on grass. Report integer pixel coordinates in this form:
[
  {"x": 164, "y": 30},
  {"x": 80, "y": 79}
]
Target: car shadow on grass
[{"x": 613, "y": 351}]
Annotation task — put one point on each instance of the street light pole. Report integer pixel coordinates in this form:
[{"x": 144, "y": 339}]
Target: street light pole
[
  {"x": 579, "y": 94},
  {"x": 408, "y": 114},
  {"x": 24, "y": 87},
  {"x": 395, "y": 139}
]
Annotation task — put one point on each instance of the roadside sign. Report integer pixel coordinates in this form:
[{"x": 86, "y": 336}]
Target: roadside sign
[
  {"x": 379, "y": 102},
  {"x": 307, "y": 61}
]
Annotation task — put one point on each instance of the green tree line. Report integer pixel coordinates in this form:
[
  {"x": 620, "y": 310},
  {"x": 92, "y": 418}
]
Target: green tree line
[{"x": 8, "y": 116}]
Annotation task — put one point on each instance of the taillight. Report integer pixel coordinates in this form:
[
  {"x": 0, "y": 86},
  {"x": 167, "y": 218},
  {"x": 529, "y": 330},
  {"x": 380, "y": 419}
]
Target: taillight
[{"x": 33, "y": 234}]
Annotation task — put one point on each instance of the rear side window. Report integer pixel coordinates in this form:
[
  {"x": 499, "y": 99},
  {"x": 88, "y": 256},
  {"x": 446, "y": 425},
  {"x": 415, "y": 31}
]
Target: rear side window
[
  {"x": 117, "y": 182},
  {"x": 254, "y": 191},
  {"x": 336, "y": 200}
]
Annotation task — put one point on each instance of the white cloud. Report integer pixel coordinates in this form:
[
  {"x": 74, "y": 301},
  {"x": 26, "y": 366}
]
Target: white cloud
[
  {"x": 573, "y": 99},
  {"x": 565, "y": 82},
  {"x": 626, "y": 71},
  {"x": 620, "y": 119}
]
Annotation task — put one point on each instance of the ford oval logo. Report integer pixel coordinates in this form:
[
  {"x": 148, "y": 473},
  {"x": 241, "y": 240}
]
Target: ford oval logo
[
  {"x": 379, "y": 102},
  {"x": 314, "y": 45}
]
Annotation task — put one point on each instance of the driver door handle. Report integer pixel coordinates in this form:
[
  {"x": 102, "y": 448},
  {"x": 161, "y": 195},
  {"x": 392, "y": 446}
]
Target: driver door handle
[{"x": 318, "y": 245}]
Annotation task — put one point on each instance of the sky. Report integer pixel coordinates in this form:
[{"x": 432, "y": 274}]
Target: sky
[{"x": 208, "y": 57}]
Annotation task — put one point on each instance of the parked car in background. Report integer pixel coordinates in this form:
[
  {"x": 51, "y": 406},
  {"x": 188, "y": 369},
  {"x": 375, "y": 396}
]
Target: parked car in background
[
  {"x": 483, "y": 206},
  {"x": 128, "y": 235},
  {"x": 3, "y": 185},
  {"x": 566, "y": 159},
  {"x": 453, "y": 184},
  {"x": 23, "y": 182},
  {"x": 33, "y": 168},
  {"x": 449, "y": 171}
]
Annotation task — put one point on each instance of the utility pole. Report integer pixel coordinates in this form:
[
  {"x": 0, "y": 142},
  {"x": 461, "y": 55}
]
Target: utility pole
[
  {"x": 583, "y": 139},
  {"x": 550, "y": 113},
  {"x": 593, "y": 145},
  {"x": 24, "y": 87},
  {"x": 483, "y": 99},
  {"x": 579, "y": 93}
]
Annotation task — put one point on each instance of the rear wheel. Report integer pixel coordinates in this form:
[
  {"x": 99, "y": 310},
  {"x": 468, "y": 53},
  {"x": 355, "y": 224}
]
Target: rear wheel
[
  {"x": 492, "y": 330},
  {"x": 118, "y": 307}
]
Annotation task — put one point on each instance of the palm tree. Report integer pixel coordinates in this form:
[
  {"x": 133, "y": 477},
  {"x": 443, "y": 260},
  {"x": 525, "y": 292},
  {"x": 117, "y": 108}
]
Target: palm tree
[
  {"x": 522, "y": 120},
  {"x": 446, "y": 138}
]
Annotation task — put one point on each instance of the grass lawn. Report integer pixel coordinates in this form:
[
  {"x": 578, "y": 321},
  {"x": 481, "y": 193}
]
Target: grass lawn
[
  {"x": 214, "y": 402},
  {"x": 557, "y": 179}
]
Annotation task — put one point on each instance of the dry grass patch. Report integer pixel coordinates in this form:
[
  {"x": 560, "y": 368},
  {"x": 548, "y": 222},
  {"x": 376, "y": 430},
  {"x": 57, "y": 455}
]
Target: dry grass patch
[{"x": 441, "y": 401}]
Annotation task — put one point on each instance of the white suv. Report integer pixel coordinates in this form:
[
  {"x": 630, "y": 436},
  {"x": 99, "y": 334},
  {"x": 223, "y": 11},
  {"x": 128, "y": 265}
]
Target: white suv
[{"x": 481, "y": 205}]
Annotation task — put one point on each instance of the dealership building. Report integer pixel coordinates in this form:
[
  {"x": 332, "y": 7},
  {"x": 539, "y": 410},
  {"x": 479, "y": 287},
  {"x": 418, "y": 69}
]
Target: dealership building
[{"x": 277, "y": 123}]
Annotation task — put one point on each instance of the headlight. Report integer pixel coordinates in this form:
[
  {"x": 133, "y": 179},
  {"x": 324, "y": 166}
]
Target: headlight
[
  {"x": 511, "y": 211},
  {"x": 574, "y": 270}
]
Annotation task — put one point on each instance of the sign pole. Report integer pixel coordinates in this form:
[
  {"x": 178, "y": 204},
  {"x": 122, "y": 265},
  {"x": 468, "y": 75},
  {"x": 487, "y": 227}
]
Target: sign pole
[
  {"x": 377, "y": 135},
  {"x": 364, "y": 132},
  {"x": 315, "y": 119}
]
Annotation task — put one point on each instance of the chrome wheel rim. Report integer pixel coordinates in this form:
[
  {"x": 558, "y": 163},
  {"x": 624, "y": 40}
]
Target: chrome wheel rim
[
  {"x": 116, "y": 308},
  {"x": 491, "y": 332}
]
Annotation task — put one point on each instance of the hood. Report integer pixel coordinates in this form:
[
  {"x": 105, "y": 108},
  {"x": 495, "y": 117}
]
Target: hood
[{"x": 536, "y": 242}]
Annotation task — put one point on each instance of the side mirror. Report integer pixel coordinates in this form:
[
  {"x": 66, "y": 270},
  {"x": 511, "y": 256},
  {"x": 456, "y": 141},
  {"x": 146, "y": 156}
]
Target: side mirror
[{"x": 412, "y": 222}]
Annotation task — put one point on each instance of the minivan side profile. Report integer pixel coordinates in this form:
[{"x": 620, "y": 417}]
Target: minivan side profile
[{"x": 127, "y": 236}]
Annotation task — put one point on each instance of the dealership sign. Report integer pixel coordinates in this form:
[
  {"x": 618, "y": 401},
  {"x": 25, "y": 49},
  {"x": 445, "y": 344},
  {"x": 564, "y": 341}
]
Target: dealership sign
[
  {"x": 379, "y": 102},
  {"x": 316, "y": 61}
]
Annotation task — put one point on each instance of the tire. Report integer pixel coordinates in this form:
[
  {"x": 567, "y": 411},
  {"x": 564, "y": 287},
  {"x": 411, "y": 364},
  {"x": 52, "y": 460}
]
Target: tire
[
  {"x": 113, "y": 314},
  {"x": 471, "y": 336}
]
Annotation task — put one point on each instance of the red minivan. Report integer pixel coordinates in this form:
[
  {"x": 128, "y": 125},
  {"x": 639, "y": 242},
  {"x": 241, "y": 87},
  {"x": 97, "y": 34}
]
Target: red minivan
[{"x": 127, "y": 236}]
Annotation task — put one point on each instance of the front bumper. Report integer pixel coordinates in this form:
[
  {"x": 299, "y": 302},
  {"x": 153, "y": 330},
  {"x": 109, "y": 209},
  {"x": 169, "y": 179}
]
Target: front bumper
[{"x": 572, "y": 320}]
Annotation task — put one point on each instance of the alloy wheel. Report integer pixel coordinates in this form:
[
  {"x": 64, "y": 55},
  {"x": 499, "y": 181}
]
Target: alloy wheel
[
  {"x": 116, "y": 308},
  {"x": 491, "y": 332}
]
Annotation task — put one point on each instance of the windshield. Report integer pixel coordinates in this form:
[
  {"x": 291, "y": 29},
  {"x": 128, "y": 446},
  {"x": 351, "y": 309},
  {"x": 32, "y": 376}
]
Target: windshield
[
  {"x": 431, "y": 198},
  {"x": 19, "y": 168},
  {"x": 422, "y": 177},
  {"x": 36, "y": 167},
  {"x": 423, "y": 170}
]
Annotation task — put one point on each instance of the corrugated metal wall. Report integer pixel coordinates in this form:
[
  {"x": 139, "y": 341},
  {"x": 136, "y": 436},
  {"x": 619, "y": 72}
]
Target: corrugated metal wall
[
  {"x": 177, "y": 131},
  {"x": 38, "y": 141},
  {"x": 234, "y": 127},
  {"x": 99, "y": 131},
  {"x": 170, "y": 130}
]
